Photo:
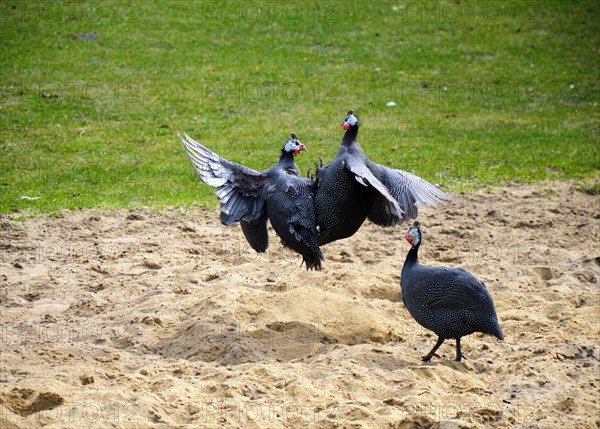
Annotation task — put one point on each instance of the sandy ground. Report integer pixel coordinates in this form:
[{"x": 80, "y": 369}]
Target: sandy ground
[{"x": 142, "y": 319}]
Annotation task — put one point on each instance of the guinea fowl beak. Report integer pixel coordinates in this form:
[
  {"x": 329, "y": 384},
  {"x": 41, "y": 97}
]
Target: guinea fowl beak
[
  {"x": 346, "y": 126},
  {"x": 300, "y": 149}
]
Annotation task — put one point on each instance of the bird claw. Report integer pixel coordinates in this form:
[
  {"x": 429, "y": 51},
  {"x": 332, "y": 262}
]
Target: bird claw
[
  {"x": 312, "y": 265},
  {"x": 319, "y": 166},
  {"x": 427, "y": 358}
]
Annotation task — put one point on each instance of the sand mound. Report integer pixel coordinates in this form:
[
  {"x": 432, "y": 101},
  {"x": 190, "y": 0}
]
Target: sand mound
[{"x": 115, "y": 319}]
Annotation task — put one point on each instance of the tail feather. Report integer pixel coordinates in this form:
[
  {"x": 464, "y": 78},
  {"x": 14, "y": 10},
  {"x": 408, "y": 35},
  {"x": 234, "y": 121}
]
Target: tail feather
[{"x": 497, "y": 331}]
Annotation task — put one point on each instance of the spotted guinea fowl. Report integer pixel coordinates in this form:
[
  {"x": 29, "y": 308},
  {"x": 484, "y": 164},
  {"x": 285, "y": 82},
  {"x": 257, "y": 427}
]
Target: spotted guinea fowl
[
  {"x": 448, "y": 301},
  {"x": 251, "y": 197},
  {"x": 352, "y": 188}
]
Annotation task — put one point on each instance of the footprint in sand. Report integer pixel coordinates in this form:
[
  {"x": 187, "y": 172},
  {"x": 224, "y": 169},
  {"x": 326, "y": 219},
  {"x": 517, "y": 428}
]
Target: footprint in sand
[
  {"x": 28, "y": 401},
  {"x": 545, "y": 273},
  {"x": 211, "y": 277}
]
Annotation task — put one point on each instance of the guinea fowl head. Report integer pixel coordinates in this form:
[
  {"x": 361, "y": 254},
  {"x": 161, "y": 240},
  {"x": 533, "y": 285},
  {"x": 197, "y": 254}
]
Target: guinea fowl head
[
  {"x": 350, "y": 121},
  {"x": 413, "y": 236},
  {"x": 293, "y": 145}
]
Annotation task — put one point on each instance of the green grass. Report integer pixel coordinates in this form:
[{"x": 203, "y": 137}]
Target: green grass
[
  {"x": 590, "y": 188},
  {"x": 484, "y": 95}
]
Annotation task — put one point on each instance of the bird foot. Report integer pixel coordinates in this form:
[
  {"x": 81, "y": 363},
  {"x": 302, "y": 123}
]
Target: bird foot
[
  {"x": 312, "y": 265},
  {"x": 427, "y": 358},
  {"x": 318, "y": 167}
]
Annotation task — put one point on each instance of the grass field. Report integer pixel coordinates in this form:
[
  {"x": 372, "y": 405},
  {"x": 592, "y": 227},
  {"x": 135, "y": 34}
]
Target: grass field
[{"x": 93, "y": 93}]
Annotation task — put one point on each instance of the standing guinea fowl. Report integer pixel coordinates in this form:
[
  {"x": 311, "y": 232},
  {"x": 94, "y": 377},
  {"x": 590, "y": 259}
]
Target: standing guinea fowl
[
  {"x": 251, "y": 197},
  {"x": 448, "y": 301},
  {"x": 352, "y": 188}
]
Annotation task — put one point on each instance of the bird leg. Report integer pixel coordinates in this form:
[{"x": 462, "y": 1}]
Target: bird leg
[
  {"x": 429, "y": 355},
  {"x": 459, "y": 354}
]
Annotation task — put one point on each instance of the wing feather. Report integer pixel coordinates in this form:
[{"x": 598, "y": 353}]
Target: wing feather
[
  {"x": 363, "y": 174},
  {"x": 458, "y": 289},
  {"x": 240, "y": 190},
  {"x": 409, "y": 189}
]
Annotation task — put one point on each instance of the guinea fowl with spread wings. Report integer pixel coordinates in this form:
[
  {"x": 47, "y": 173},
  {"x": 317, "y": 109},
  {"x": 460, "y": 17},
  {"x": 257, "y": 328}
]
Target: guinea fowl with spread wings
[
  {"x": 250, "y": 197},
  {"x": 352, "y": 188}
]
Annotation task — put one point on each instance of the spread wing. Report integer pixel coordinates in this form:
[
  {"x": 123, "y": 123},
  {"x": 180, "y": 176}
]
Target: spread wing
[
  {"x": 408, "y": 189},
  {"x": 241, "y": 190},
  {"x": 382, "y": 196}
]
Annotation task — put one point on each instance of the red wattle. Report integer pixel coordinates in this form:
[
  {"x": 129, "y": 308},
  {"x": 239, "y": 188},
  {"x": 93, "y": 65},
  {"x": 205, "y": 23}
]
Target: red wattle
[{"x": 346, "y": 126}]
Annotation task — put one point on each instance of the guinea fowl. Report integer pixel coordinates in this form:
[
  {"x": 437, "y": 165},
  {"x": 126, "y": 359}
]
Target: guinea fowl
[
  {"x": 352, "y": 188},
  {"x": 448, "y": 301},
  {"x": 251, "y": 197}
]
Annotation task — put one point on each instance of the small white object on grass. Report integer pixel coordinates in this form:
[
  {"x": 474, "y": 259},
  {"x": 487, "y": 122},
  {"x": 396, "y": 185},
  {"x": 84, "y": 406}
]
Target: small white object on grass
[
  {"x": 25, "y": 197},
  {"x": 390, "y": 104}
]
